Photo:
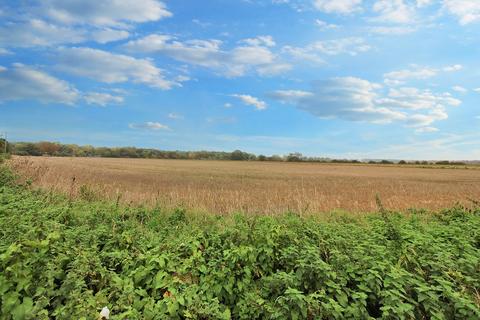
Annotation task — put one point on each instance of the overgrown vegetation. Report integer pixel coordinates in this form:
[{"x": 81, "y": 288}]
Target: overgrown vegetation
[{"x": 67, "y": 259}]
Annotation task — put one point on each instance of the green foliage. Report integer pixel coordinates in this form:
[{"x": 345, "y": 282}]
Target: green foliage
[
  {"x": 87, "y": 193},
  {"x": 68, "y": 260}
]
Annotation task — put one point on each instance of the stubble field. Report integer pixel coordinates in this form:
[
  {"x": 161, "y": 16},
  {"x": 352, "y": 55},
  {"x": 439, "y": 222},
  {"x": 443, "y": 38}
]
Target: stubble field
[{"x": 253, "y": 187}]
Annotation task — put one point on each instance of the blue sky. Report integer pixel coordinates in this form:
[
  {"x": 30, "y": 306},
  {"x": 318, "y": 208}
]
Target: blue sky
[{"x": 344, "y": 78}]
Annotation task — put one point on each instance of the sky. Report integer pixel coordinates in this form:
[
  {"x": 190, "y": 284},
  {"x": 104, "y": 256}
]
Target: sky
[{"x": 396, "y": 79}]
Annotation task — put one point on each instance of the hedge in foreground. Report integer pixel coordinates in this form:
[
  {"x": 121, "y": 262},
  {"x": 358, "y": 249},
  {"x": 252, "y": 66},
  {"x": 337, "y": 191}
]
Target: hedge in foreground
[{"x": 62, "y": 259}]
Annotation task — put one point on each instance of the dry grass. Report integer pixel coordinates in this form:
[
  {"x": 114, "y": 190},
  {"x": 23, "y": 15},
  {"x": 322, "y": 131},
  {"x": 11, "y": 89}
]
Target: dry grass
[{"x": 255, "y": 187}]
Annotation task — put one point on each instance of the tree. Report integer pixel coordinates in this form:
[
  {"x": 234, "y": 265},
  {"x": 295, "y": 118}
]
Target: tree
[
  {"x": 238, "y": 155},
  {"x": 48, "y": 148},
  {"x": 27, "y": 149},
  {"x": 295, "y": 157}
]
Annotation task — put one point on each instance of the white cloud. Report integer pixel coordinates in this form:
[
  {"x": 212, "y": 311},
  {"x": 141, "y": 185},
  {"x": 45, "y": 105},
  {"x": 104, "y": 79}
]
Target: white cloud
[
  {"x": 393, "y": 82},
  {"x": 424, "y": 3},
  {"x": 424, "y": 120},
  {"x": 252, "y": 56},
  {"x": 416, "y": 99},
  {"x": 467, "y": 11},
  {"x": 355, "y": 99},
  {"x": 21, "y": 82},
  {"x": 221, "y": 120},
  {"x": 274, "y": 69},
  {"x": 338, "y": 6},
  {"x": 102, "y": 99},
  {"x": 351, "y": 46},
  {"x": 251, "y": 101},
  {"x": 236, "y": 62},
  {"x": 477, "y": 90},
  {"x": 206, "y": 53},
  {"x": 111, "y": 68},
  {"x": 453, "y": 68},
  {"x": 109, "y": 35},
  {"x": 105, "y": 12},
  {"x": 260, "y": 41},
  {"x": 389, "y": 30},
  {"x": 314, "y": 51},
  {"x": 175, "y": 116},
  {"x": 393, "y": 11},
  {"x": 155, "y": 126},
  {"x": 459, "y": 89},
  {"x": 290, "y": 96},
  {"x": 54, "y": 22},
  {"x": 25, "y": 83},
  {"x": 426, "y": 130},
  {"x": 323, "y": 25},
  {"x": 4, "y": 52},
  {"x": 38, "y": 33},
  {"x": 417, "y": 72},
  {"x": 347, "y": 98},
  {"x": 303, "y": 54}
]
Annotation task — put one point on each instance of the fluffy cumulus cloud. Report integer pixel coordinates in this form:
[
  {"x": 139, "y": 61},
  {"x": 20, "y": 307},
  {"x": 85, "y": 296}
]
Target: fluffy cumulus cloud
[
  {"x": 426, "y": 130},
  {"x": 108, "y": 35},
  {"x": 4, "y": 52},
  {"x": 104, "y": 13},
  {"x": 392, "y": 30},
  {"x": 466, "y": 11},
  {"x": 22, "y": 82},
  {"x": 393, "y": 11},
  {"x": 416, "y": 72},
  {"x": 102, "y": 99},
  {"x": 260, "y": 41},
  {"x": 402, "y": 11},
  {"x": 419, "y": 73},
  {"x": 453, "y": 68},
  {"x": 150, "y": 125},
  {"x": 251, "y": 101},
  {"x": 460, "y": 89},
  {"x": 355, "y": 99},
  {"x": 323, "y": 25},
  {"x": 54, "y": 22},
  {"x": 251, "y": 54},
  {"x": 416, "y": 99},
  {"x": 338, "y": 6},
  {"x": 346, "y": 98},
  {"x": 315, "y": 51},
  {"x": 37, "y": 32},
  {"x": 111, "y": 68}
]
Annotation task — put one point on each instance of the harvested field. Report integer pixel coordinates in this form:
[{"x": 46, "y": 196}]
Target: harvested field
[{"x": 253, "y": 187}]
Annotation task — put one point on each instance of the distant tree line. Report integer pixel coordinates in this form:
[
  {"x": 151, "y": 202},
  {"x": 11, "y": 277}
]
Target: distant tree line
[{"x": 46, "y": 148}]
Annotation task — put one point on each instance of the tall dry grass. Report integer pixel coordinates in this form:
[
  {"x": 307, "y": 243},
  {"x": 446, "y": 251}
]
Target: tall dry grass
[{"x": 253, "y": 187}]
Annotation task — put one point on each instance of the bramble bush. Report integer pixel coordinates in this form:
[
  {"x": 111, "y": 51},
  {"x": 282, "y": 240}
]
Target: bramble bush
[{"x": 63, "y": 259}]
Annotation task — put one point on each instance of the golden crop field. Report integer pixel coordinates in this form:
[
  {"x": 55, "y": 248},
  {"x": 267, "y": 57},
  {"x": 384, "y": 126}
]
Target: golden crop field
[{"x": 253, "y": 187}]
